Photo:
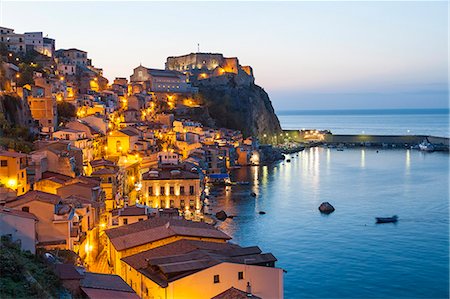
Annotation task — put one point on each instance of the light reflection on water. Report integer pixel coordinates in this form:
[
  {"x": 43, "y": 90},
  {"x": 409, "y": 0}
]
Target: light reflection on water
[{"x": 345, "y": 255}]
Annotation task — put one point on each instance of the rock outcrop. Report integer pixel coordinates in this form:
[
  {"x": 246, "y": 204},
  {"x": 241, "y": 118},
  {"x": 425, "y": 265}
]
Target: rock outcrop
[
  {"x": 221, "y": 215},
  {"x": 326, "y": 208},
  {"x": 245, "y": 107}
]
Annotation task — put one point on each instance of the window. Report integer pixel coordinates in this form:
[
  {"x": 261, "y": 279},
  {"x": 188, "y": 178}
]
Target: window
[
  {"x": 182, "y": 190},
  {"x": 150, "y": 190},
  {"x": 125, "y": 221},
  {"x": 4, "y": 163},
  {"x": 163, "y": 205},
  {"x": 182, "y": 204},
  {"x": 216, "y": 279},
  {"x": 172, "y": 190},
  {"x": 141, "y": 219},
  {"x": 172, "y": 203},
  {"x": 162, "y": 191},
  {"x": 26, "y": 209},
  {"x": 240, "y": 275},
  {"x": 191, "y": 204},
  {"x": 191, "y": 190}
]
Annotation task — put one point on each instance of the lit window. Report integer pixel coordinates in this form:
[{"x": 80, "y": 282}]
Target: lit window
[{"x": 216, "y": 279}]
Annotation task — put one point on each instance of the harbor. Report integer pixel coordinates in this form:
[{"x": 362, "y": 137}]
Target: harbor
[{"x": 347, "y": 246}]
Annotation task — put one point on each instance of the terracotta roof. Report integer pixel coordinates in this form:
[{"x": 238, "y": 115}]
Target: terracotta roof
[
  {"x": 102, "y": 162},
  {"x": 171, "y": 174},
  {"x": 139, "y": 261},
  {"x": 67, "y": 271},
  {"x": 104, "y": 171},
  {"x": 53, "y": 175},
  {"x": 128, "y": 132},
  {"x": 105, "y": 282},
  {"x": 12, "y": 154},
  {"x": 233, "y": 293},
  {"x": 103, "y": 294},
  {"x": 35, "y": 195},
  {"x": 182, "y": 258},
  {"x": 155, "y": 229},
  {"x": 132, "y": 211},
  {"x": 17, "y": 213}
]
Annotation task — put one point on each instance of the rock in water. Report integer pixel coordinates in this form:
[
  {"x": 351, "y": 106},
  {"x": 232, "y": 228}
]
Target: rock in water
[
  {"x": 221, "y": 215},
  {"x": 326, "y": 208},
  {"x": 253, "y": 194},
  {"x": 262, "y": 212}
]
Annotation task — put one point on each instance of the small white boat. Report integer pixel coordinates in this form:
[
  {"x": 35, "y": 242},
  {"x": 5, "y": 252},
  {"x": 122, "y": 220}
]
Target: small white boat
[{"x": 426, "y": 146}]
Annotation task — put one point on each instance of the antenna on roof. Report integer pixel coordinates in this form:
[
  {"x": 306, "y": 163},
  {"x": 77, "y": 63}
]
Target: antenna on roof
[{"x": 198, "y": 48}]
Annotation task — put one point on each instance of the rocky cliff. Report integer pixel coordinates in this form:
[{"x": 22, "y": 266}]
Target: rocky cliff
[{"x": 236, "y": 105}]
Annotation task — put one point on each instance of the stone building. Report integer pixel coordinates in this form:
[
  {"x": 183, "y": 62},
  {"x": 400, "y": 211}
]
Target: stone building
[{"x": 154, "y": 80}]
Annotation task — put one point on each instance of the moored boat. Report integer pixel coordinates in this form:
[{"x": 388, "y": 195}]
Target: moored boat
[
  {"x": 426, "y": 146},
  {"x": 392, "y": 219}
]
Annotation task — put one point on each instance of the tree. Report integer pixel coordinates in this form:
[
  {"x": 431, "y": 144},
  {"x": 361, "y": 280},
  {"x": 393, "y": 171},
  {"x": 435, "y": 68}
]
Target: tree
[{"x": 66, "y": 111}]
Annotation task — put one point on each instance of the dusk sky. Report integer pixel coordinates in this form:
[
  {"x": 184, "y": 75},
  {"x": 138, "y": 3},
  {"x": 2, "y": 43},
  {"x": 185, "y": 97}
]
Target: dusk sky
[{"x": 306, "y": 55}]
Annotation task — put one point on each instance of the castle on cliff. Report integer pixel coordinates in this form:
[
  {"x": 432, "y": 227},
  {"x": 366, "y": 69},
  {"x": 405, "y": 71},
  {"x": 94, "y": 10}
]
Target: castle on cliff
[{"x": 210, "y": 67}]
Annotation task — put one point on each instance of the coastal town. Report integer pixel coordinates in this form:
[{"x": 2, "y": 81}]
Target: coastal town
[{"x": 107, "y": 181}]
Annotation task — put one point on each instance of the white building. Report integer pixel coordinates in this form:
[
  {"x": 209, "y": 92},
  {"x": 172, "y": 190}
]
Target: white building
[{"x": 20, "y": 226}]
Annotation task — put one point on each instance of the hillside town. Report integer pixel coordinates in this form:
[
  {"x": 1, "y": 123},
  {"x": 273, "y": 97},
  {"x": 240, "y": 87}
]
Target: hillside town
[{"x": 115, "y": 174}]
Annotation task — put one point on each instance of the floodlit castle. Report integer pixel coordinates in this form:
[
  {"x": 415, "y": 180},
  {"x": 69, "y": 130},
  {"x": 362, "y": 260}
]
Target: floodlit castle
[{"x": 207, "y": 65}]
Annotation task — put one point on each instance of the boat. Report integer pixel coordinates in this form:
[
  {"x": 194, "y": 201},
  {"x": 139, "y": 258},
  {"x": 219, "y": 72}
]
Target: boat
[
  {"x": 392, "y": 219},
  {"x": 288, "y": 160},
  {"x": 426, "y": 146},
  {"x": 340, "y": 149}
]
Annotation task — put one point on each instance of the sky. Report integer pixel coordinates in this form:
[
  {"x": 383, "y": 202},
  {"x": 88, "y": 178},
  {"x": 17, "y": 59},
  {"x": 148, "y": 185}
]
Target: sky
[{"x": 306, "y": 55}]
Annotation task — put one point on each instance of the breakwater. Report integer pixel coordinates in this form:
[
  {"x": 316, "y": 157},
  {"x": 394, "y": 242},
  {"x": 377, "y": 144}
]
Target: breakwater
[
  {"x": 409, "y": 140},
  {"x": 363, "y": 139}
]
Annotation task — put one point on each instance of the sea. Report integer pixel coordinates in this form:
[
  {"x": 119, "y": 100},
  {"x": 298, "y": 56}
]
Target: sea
[
  {"x": 346, "y": 254},
  {"x": 433, "y": 122}
]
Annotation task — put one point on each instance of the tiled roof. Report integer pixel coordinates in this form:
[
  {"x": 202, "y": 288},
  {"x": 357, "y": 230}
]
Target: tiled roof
[
  {"x": 35, "y": 195},
  {"x": 102, "y": 162},
  {"x": 155, "y": 229},
  {"x": 67, "y": 272},
  {"x": 105, "y": 282},
  {"x": 132, "y": 211},
  {"x": 233, "y": 293},
  {"x": 129, "y": 132},
  {"x": 139, "y": 261},
  {"x": 12, "y": 154},
  {"x": 17, "y": 213},
  {"x": 105, "y": 294},
  {"x": 56, "y": 176},
  {"x": 181, "y": 258},
  {"x": 104, "y": 171},
  {"x": 171, "y": 174}
]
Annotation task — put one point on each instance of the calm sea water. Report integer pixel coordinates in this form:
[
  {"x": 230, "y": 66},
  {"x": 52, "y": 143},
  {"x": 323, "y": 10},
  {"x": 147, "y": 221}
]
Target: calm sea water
[
  {"x": 345, "y": 254},
  {"x": 433, "y": 122}
]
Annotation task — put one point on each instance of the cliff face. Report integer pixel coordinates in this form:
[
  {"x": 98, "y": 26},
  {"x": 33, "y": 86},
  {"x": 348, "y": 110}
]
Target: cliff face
[
  {"x": 15, "y": 111},
  {"x": 241, "y": 106}
]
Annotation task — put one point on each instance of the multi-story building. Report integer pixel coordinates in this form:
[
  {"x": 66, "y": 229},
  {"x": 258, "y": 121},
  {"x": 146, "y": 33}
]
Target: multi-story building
[
  {"x": 13, "y": 172},
  {"x": 75, "y": 56},
  {"x": 42, "y": 104},
  {"x": 134, "y": 238},
  {"x": 203, "y": 270},
  {"x": 172, "y": 187},
  {"x": 20, "y": 226},
  {"x": 13, "y": 41},
  {"x": 154, "y": 80},
  {"x": 111, "y": 181},
  {"x": 28, "y": 41},
  {"x": 55, "y": 219}
]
